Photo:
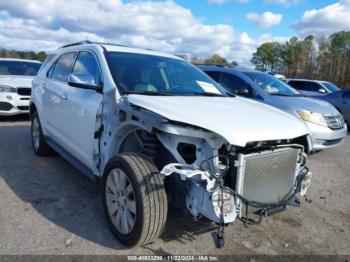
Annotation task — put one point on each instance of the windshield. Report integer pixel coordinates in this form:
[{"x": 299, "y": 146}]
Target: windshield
[
  {"x": 155, "y": 75},
  {"x": 331, "y": 88},
  {"x": 272, "y": 85},
  {"x": 19, "y": 68}
]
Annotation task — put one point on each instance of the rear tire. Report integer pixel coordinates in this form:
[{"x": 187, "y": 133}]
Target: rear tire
[
  {"x": 134, "y": 199},
  {"x": 41, "y": 148}
]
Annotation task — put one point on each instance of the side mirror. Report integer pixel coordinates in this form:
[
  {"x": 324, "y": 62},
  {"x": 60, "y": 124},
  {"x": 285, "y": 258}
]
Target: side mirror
[
  {"x": 322, "y": 91},
  {"x": 83, "y": 80}
]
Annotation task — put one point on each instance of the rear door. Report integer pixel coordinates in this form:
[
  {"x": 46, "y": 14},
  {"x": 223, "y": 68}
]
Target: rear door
[
  {"x": 55, "y": 97},
  {"x": 81, "y": 107}
]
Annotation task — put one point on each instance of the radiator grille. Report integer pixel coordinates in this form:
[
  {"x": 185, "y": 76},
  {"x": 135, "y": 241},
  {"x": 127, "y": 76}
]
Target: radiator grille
[
  {"x": 24, "y": 91},
  {"x": 269, "y": 176}
]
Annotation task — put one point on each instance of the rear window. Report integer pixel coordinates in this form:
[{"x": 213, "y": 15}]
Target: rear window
[{"x": 19, "y": 68}]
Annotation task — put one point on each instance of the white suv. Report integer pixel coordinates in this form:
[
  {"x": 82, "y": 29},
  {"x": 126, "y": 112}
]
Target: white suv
[
  {"x": 155, "y": 130},
  {"x": 16, "y": 76}
]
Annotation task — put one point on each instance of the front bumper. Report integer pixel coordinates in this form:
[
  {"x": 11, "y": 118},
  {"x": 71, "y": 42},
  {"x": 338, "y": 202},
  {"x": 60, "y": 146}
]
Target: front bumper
[
  {"x": 13, "y": 104},
  {"x": 323, "y": 137}
]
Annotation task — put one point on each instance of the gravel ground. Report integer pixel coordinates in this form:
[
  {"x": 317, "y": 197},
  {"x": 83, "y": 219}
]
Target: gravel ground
[{"x": 48, "y": 207}]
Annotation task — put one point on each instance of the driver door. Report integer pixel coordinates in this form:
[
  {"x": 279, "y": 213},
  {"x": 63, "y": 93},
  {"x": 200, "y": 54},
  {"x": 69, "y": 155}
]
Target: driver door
[{"x": 81, "y": 107}]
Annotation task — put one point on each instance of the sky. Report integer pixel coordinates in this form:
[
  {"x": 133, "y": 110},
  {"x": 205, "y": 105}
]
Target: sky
[{"x": 230, "y": 28}]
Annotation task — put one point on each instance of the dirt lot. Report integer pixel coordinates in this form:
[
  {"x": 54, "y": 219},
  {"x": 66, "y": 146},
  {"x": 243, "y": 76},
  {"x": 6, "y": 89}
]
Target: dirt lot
[{"x": 48, "y": 207}]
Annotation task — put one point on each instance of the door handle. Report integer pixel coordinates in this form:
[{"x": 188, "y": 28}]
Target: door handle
[{"x": 64, "y": 96}]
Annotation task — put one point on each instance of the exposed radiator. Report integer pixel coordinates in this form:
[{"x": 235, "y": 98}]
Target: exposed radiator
[{"x": 267, "y": 176}]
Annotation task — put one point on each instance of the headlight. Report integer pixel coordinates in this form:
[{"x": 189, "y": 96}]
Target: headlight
[
  {"x": 9, "y": 89},
  {"x": 311, "y": 117}
]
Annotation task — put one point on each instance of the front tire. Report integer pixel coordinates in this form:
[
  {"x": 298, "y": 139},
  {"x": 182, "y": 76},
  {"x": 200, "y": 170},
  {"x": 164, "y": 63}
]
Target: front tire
[
  {"x": 134, "y": 199},
  {"x": 41, "y": 148}
]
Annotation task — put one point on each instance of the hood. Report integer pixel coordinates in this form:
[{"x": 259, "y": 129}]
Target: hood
[
  {"x": 16, "y": 81},
  {"x": 238, "y": 120},
  {"x": 300, "y": 103}
]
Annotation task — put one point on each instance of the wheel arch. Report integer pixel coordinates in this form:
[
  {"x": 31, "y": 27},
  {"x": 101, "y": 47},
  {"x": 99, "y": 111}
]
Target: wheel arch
[
  {"x": 135, "y": 138},
  {"x": 32, "y": 108}
]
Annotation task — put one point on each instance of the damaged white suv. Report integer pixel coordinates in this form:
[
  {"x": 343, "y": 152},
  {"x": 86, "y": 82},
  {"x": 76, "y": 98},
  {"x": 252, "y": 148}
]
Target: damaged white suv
[{"x": 156, "y": 131}]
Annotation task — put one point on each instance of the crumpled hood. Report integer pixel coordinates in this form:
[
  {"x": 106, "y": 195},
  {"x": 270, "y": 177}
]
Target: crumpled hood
[
  {"x": 16, "y": 81},
  {"x": 238, "y": 120},
  {"x": 293, "y": 104}
]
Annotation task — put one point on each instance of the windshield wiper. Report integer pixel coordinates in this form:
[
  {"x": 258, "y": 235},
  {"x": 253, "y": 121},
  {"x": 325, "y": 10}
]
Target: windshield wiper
[
  {"x": 292, "y": 95},
  {"x": 207, "y": 94},
  {"x": 149, "y": 93},
  {"x": 280, "y": 95}
]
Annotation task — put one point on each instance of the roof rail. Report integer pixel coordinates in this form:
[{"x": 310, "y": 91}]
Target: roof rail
[
  {"x": 87, "y": 42},
  {"x": 101, "y": 43}
]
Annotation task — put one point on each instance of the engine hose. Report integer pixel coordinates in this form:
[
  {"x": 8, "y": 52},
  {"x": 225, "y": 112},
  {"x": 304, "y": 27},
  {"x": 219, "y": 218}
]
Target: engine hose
[{"x": 248, "y": 203}]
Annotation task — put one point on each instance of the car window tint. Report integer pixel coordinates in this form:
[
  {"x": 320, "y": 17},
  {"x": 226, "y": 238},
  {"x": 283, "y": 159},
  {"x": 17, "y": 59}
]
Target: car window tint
[
  {"x": 299, "y": 85},
  {"x": 140, "y": 73},
  {"x": 314, "y": 87},
  {"x": 305, "y": 85},
  {"x": 214, "y": 75},
  {"x": 235, "y": 84},
  {"x": 8, "y": 67},
  {"x": 86, "y": 64},
  {"x": 63, "y": 67}
]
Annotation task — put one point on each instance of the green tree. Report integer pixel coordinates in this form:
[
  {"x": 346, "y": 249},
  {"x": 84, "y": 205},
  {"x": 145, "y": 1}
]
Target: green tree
[
  {"x": 41, "y": 56},
  {"x": 267, "y": 56},
  {"x": 216, "y": 60}
]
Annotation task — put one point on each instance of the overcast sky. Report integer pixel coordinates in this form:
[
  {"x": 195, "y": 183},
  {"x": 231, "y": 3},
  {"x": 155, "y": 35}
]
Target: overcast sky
[{"x": 231, "y": 28}]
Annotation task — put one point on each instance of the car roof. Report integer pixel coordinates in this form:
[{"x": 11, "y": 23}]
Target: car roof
[
  {"x": 20, "y": 60},
  {"x": 305, "y": 80},
  {"x": 227, "y": 69},
  {"x": 110, "y": 47}
]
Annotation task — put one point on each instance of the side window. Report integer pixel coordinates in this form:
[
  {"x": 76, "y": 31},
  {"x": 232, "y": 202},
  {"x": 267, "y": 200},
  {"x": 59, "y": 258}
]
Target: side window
[
  {"x": 311, "y": 86},
  {"x": 48, "y": 60},
  {"x": 299, "y": 85},
  {"x": 86, "y": 64},
  {"x": 62, "y": 67},
  {"x": 235, "y": 85},
  {"x": 214, "y": 75}
]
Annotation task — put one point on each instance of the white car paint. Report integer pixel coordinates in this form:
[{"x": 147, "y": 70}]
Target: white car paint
[
  {"x": 91, "y": 127},
  {"x": 238, "y": 120},
  {"x": 19, "y": 103}
]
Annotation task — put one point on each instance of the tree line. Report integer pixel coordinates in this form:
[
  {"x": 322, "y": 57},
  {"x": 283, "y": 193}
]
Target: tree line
[
  {"x": 323, "y": 58},
  {"x": 214, "y": 59},
  {"x": 41, "y": 56}
]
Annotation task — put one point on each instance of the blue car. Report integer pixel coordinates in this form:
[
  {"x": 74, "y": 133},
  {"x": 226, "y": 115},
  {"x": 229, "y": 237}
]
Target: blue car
[
  {"x": 325, "y": 91},
  {"x": 325, "y": 123},
  {"x": 341, "y": 100},
  {"x": 314, "y": 88}
]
